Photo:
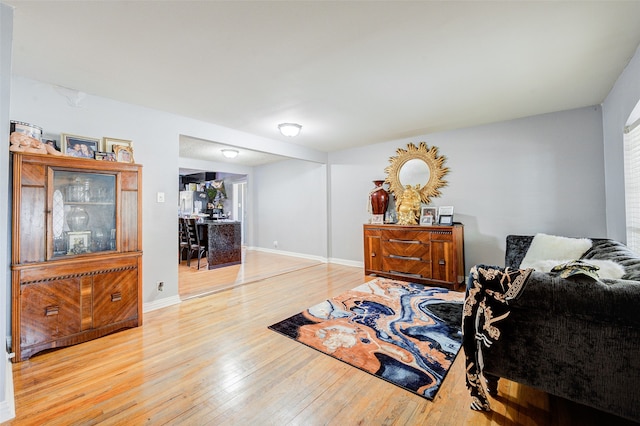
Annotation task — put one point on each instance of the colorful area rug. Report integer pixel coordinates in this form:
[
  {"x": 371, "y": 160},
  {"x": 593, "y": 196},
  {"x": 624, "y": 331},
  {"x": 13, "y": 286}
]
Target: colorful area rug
[{"x": 405, "y": 333}]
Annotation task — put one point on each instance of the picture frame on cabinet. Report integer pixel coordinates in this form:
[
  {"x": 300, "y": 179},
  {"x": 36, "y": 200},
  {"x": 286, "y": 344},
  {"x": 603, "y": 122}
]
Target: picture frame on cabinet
[
  {"x": 428, "y": 216},
  {"x": 377, "y": 219},
  {"x": 124, "y": 154},
  {"x": 79, "y": 146},
  {"x": 108, "y": 144},
  {"x": 445, "y": 215},
  {"x": 105, "y": 156},
  {"x": 51, "y": 142},
  {"x": 446, "y": 220},
  {"x": 30, "y": 130},
  {"x": 78, "y": 242}
]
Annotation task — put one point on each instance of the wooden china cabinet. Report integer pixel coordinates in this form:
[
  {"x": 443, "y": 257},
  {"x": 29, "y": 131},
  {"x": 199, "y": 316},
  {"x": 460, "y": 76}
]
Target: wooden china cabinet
[
  {"x": 76, "y": 261},
  {"x": 432, "y": 255}
]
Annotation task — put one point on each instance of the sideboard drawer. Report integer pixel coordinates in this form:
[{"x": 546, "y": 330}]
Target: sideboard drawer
[
  {"x": 407, "y": 266},
  {"x": 407, "y": 249},
  {"x": 400, "y": 235}
]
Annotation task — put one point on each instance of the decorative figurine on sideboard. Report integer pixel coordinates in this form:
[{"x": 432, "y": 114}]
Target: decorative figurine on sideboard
[{"x": 408, "y": 206}]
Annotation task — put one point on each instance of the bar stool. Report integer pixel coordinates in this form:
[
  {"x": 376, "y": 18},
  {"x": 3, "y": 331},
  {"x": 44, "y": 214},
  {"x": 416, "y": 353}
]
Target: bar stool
[
  {"x": 194, "y": 241},
  {"x": 183, "y": 240}
]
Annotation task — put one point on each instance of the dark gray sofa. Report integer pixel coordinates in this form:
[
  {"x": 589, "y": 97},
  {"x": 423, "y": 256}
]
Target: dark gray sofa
[{"x": 575, "y": 338}]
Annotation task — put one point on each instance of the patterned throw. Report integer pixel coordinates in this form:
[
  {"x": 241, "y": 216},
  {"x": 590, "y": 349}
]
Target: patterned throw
[
  {"x": 405, "y": 333},
  {"x": 489, "y": 292}
]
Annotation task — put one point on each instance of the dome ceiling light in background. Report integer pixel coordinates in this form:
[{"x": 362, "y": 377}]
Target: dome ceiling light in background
[
  {"x": 289, "y": 129},
  {"x": 230, "y": 153}
]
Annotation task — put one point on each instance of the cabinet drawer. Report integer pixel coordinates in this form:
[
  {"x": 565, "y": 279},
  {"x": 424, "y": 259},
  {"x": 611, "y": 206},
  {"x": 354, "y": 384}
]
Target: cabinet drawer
[
  {"x": 49, "y": 310},
  {"x": 407, "y": 266},
  {"x": 407, "y": 249},
  {"x": 402, "y": 235},
  {"x": 115, "y": 297}
]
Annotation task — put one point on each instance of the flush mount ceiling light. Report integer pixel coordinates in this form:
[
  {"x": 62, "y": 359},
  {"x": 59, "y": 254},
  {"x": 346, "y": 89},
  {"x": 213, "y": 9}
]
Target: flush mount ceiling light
[
  {"x": 289, "y": 129},
  {"x": 230, "y": 153}
]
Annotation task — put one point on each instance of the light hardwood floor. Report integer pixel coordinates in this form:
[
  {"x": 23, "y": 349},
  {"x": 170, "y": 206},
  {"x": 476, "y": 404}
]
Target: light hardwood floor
[
  {"x": 255, "y": 266},
  {"x": 212, "y": 361}
]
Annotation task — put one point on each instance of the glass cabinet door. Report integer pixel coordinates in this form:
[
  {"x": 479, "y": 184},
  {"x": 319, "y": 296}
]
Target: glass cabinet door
[{"x": 84, "y": 213}]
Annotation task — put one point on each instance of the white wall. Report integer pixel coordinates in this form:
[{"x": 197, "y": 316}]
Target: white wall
[
  {"x": 290, "y": 200},
  {"x": 537, "y": 174},
  {"x": 616, "y": 110},
  {"x": 6, "y": 37}
]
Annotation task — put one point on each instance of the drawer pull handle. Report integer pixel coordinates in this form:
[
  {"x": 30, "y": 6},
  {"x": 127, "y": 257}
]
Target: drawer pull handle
[
  {"x": 406, "y": 274},
  {"x": 116, "y": 297},
  {"x": 393, "y": 240},
  {"x": 373, "y": 255},
  {"x": 441, "y": 262},
  {"x": 51, "y": 310},
  {"x": 397, "y": 256}
]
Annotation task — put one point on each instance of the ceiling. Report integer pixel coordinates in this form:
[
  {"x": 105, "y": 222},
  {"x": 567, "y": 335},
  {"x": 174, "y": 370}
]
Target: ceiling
[
  {"x": 351, "y": 72},
  {"x": 212, "y": 151}
]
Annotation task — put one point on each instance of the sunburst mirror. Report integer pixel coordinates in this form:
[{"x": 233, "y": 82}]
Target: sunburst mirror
[{"x": 417, "y": 165}]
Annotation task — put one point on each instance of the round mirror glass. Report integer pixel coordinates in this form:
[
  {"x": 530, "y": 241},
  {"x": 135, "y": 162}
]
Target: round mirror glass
[
  {"x": 414, "y": 172},
  {"x": 417, "y": 165}
]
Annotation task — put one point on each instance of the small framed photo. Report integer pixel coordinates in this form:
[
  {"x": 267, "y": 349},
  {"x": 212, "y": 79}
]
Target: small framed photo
[
  {"x": 79, "y": 146},
  {"x": 123, "y": 154},
  {"x": 52, "y": 143},
  {"x": 445, "y": 210},
  {"x": 446, "y": 220},
  {"x": 377, "y": 219},
  {"x": 428, "y": 216},
  {"x": 30, "y": 130},
  {"x": 445, "y": 215},
  {"x": 78, "y": 242},
  {"x": 105, "y": 156},
  {"x": 108, "y": 144}
]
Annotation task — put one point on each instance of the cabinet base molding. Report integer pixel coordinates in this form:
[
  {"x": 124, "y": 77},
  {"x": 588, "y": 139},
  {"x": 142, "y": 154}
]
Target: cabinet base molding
[{"x": 28, "y": 352}]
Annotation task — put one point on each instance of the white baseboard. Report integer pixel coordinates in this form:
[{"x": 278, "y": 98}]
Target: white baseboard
[
  {"x": 290, "y": 253},
  {"x": 8, "y": 406},
  {"x": 345, "y": 262},
  {"x": 161, "y": 303}
]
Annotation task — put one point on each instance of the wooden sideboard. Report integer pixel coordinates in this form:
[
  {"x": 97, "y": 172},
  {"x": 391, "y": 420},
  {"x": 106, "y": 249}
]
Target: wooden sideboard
[
  {"x": 431, "y": 255},
  {"x": 76, "y": 260}
]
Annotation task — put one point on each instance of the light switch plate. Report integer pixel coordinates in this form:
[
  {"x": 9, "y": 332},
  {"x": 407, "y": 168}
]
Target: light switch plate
[{"x": 160, "y": 196}]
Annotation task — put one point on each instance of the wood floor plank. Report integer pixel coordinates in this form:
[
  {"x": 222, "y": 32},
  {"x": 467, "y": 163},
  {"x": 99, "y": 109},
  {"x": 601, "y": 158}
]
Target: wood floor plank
[{"x": 211, "y": 360}]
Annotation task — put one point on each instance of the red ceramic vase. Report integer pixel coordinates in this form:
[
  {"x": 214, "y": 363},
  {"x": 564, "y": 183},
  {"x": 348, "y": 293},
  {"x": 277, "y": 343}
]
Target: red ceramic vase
[{"x": 379, "y": 198}]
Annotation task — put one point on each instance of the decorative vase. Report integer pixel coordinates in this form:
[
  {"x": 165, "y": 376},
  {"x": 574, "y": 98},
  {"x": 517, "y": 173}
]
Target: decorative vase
[
  {"x": 77, "y": 219},
  {"x": 379, "y": 198}
]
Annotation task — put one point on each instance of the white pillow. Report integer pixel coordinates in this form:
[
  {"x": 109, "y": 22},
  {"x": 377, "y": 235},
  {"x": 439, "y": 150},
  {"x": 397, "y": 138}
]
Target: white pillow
[
  {"x": 545, "y": 247},
  {"x": 608, "y": 268}
]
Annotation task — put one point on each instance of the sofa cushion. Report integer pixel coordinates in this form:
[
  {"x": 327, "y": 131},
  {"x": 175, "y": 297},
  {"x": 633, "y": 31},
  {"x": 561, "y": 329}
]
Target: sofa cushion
[
  {"x": 545, "y": 247},
  {"x": 619, "y": 253}
]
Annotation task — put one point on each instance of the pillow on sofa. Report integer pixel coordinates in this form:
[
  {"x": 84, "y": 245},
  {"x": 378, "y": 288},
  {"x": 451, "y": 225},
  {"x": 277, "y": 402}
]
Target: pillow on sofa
[
  {"x": 608, "y": 268},
  {"x": 619, "y": 253},
  {"x": 545, "y": 247}
]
